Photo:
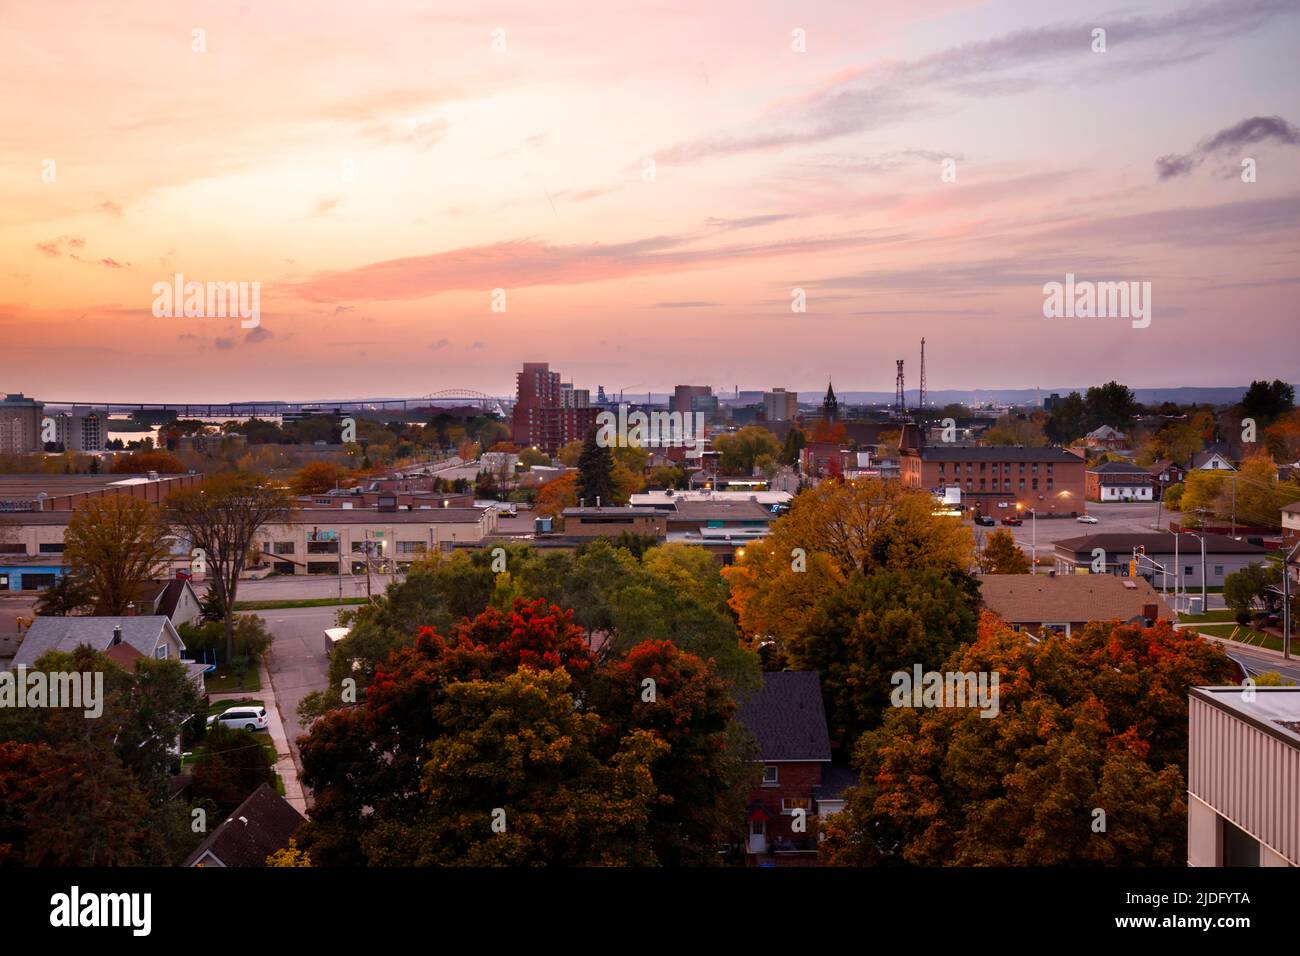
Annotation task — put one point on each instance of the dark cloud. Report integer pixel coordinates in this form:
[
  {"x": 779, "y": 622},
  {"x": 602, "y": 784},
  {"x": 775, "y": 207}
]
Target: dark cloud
[{"x": 1249, "y": 132}]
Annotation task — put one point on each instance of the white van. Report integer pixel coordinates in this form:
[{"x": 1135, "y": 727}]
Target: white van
[{"x": 241, "y": 718}]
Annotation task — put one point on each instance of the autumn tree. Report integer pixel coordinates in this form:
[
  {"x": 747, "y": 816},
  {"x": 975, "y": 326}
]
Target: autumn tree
[
  {"x": 557, "y": 494},
  {"x": 114, "y": 545},
  {"x": 221, "y": 519},
  {"x": 830, "y": 532},
  {"x": 141, "y": 463},
  {"x": 1001, "y": 555},
  {"x": 1094, "y": 723},
  {"x": 229, "y": 766},
  {"x": 318, "y": 477}
]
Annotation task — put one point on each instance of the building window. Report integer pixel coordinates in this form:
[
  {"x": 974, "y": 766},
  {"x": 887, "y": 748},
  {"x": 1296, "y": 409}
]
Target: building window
[
  {"x": 770, "y": 776},
  {"x": 52, "y": 548},
  {"x": 284, "y": 547},
  {"x": 160, "y": 652},
  {"x": 1239, "y": 847},
  {"x": 411, "y": 547},
  {"x": 1022, "y": 484},
  {"x": 757, "y": 828},
  {"x": 1035, "y": 484},
  {"x": 791, "y": 804},
  {"x": 1188, "y": 571},
  {"x": 1218, "y": 570}
]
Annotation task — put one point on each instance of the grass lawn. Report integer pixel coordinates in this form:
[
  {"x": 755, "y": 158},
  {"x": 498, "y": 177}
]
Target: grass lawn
[
  {"x": 1225, "y": 616},
  {"x": 1247, "y": 636},
  {"x": 220, "y": 683},
  {"x": 303, "y": 602},
  {"x": 221, "y": 706}
]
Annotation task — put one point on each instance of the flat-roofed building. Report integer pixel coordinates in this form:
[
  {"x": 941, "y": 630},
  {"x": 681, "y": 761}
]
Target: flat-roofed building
[
  {"x": 1170, "y": 560},
  {"x": 20, "y": 424},
  {"x": 999, "y": 479},
  {"x": 1243, "y": 776},
  {"x": 611, "y": 521}
]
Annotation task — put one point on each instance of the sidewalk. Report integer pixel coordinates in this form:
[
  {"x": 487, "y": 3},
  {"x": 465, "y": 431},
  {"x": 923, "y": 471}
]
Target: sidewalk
[{"x": 284, "y": 764}]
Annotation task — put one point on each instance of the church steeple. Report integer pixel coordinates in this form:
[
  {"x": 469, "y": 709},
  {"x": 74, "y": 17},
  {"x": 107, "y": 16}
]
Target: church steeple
[{"x": 830, "y": 405}]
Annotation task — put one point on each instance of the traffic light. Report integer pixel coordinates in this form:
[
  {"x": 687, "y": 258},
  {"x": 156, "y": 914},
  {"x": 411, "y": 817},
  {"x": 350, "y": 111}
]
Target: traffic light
[{"x": 1132, "y": 568}]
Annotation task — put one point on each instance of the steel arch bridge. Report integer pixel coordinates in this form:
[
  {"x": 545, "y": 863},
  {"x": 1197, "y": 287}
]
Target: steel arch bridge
[{"x": 461, "y": 394}]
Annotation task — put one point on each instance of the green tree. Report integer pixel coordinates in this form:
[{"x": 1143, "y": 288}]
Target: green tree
[
  {"x": 795, "y": 442},
  {"x": 874, "y": 626},
  {"x": 1266, "y": 401},
  {"x": 738, "y": 451},
  {"x": 1111, "y": 404},
  {"x": 595, "y": 474},
  {"x": 1068, "y": 421},
  {"x": 230, "y": 765}
]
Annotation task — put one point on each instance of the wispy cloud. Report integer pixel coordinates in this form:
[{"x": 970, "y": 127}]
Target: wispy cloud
[{"x": 1253, "y": 131}]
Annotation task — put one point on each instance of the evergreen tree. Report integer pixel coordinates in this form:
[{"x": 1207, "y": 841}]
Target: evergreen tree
[{"x": 595, "y": 473}]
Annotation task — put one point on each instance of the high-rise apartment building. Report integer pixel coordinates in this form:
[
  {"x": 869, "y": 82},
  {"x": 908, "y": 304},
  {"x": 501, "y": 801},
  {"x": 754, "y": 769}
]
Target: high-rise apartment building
[
  {"x": 83, "y": 433},
  {"x": 541, "y": 417},
  {"x": 20, "y": 425},
  {"x": 780, "y": 405},
  {"x": 684, "y": 396}
]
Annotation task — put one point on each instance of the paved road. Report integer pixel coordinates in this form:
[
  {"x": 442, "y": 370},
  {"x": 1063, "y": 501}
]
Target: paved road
[{"x": 297, "y": 662}]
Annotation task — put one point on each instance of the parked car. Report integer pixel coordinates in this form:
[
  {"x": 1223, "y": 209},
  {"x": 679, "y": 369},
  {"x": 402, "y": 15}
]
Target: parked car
[
  {"x": 241, "y": 718},
  {"x": 986, "y": 520},
  {"x": 1086, "y": 519},
  {"x": 1013, "y": 520}
]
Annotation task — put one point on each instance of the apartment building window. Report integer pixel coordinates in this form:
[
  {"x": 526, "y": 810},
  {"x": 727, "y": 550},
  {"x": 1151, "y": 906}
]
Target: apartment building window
[
  {"x": 284, "y": 547},
  {"x": 1006, "y": 484},
  {"x": 1035, "y": 484},
  {"x": 1049, "y": 484},
  {"x": 981, "y": 484},
  {"x": 1022, "y": 468},
  {"x": 322, "y": 547},
  {"x": 969, "y": 468},
  {"x": 1035, "y": 468},
  {"x": 1049, "y": 467},
  {"x": 52, "y": 548},
  {"x": 983, "y": 467},
  {"x": 10, "y": 548},
  {"x": 411, "y": 547},
  {"x": 1022, "y": 484}
]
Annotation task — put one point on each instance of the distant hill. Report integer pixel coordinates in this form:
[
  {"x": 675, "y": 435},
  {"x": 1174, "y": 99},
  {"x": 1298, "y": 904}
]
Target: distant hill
[{"x": 1185, "y": 395}]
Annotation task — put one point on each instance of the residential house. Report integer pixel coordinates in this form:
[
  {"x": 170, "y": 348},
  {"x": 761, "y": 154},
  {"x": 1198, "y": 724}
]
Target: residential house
[
  {"x": 1243, "y": 776},
  {"x": 1106, "y": 437},
  {"x": 153, "y": 636},
  {"x": 1213, "y": 458},
  {"x": 1165, "y": 473},
  {"x": 788, "y": 721},
  {"x": 1041, "y": 604},
  {"x": 1291, "y": 525},
  {"x": 1118, "y": 481},
  {"x": 259, "y": 827}
]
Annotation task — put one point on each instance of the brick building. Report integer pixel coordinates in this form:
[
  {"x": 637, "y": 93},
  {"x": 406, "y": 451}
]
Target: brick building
[
  {"x": 787, "y": 719},
  {"x": 1119, "y": 481},
  {"x": 548, "y": 416},
  {"x": 996, "y": 479}
]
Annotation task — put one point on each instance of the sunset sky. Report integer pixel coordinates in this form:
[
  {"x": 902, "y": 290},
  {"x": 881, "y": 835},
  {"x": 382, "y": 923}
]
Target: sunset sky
[{"x": 380, "y": 168}]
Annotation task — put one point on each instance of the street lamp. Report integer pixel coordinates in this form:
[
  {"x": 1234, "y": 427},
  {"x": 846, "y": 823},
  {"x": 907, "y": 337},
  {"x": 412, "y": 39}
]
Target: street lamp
[
  {"x": 1205, "y": 599},
  {"x": 1033, "y": 540}
]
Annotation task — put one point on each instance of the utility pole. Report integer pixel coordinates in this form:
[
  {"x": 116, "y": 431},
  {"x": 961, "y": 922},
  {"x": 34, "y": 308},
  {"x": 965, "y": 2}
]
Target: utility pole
[
  {"x": 922, "y": 399},
  {"x": 1286, "y": 602}
]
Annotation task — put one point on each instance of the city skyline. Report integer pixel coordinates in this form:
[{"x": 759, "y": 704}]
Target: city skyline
[{"x": 650, "y": 218}]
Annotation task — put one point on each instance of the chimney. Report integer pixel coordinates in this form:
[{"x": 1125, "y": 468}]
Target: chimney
[
  {"x": 117, "y": 635},
  {"x": 598, "y": 502}
]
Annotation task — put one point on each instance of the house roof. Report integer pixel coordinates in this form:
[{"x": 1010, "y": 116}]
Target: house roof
[
  {"x": 124, "y": 656},
  {"x": 1121, "y": 543},
  {"x": 1163, "y": 464},
  {"x": 1118, "y": 468},
  {"x": 1035, "y": 598},
  {"x": 1293, "y": 508},
  {"x": 171, "y": 595},
  {"x": 260, "y": 826},
  {"x": 995, "y": 453},
  {"x": 786, "y": 717},
  {"x": 67, "y": 633},
  {"x": 1106, "y": 433},
  {"x": 1201, "y": 457}
]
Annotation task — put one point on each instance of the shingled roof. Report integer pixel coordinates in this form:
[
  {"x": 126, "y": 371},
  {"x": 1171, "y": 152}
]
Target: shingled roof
[
  {"x": 787, "y": 719},
  {"x": 260, "y": 826},
  {"x": 1035, "y": 598}
]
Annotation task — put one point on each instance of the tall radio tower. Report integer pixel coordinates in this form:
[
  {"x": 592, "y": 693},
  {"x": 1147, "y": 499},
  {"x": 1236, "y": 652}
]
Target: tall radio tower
[
  {"x": 900, "y": 403},
  {"x": 922, "y": 403}
]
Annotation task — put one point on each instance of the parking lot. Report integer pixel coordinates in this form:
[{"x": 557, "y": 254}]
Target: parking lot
[{"x": 1112, "y": 518}]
